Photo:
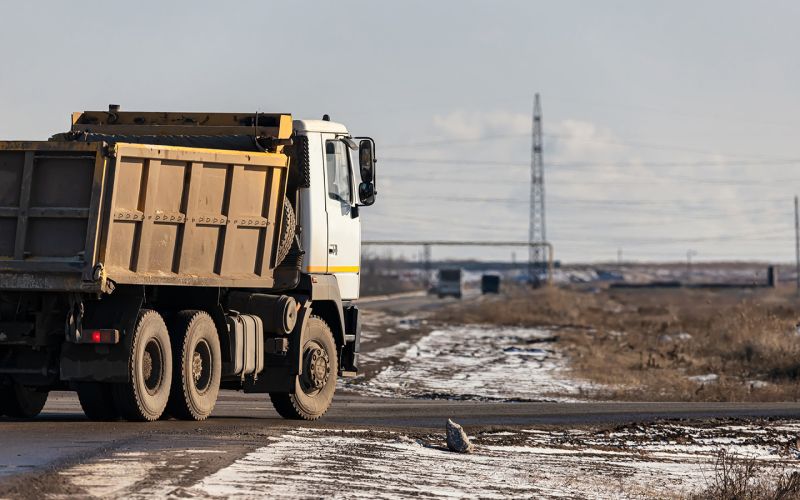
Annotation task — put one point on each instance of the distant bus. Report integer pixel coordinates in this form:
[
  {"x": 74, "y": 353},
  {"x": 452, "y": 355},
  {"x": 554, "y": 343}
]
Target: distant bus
[{"x": 449, "y": 283}]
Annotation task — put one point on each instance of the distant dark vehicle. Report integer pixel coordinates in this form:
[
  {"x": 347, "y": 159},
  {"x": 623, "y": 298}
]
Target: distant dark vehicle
[
  {"x": 603, "y": 275},
  {"x": 490, "y": 283},
  {"x": 449, "y": 283}
]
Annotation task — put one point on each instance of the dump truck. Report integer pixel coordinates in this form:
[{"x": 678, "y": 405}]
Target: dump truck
[{"x": 149, "y": 260}]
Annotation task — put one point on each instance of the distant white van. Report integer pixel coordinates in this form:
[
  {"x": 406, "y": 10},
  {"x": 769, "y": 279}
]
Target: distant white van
[{"x": 449, "y": 283}]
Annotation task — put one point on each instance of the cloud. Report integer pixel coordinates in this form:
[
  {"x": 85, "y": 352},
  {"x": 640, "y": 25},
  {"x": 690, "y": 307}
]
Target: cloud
[
  {"x": 579, "y": 140},
  {"x": 471, "y": 125}
]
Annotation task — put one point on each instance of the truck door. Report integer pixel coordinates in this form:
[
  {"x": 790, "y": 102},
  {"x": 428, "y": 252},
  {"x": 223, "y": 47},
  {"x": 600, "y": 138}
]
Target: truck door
[{"x": 344, "y": 226}]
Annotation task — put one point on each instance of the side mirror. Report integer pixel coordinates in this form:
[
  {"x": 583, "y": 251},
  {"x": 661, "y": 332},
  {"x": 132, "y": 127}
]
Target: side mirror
[
  {"x": 366, "y": 193},
  {"x": 366, "y": 160}
]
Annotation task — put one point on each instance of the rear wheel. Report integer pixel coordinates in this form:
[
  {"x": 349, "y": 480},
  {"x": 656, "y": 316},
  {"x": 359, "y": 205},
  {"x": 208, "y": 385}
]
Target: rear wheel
[
  {"x": 145, "y": 395},
  {"x": 197, "y": 362},
  {"x": 313, "y": 392},
  {"x": 97, "y": 400},
  {"x": 19, "y": 401}
]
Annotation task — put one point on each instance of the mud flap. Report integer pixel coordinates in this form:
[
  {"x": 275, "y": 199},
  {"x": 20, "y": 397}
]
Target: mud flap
[
  {"x": 349, "y": 352},
  {"x": 108, "y": 362},
  {"x": 280, "y": 372},
  {"x": 91, "y": 363}
]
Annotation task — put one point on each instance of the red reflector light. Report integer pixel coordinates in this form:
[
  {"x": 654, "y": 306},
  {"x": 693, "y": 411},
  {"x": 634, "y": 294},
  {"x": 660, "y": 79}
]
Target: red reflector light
[{"x": 100, "y": 336}]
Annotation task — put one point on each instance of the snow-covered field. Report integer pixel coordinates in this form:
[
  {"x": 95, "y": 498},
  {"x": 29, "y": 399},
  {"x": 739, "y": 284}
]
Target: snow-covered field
[
  {"x": 701, "y": 273},
  {"x": 475, "y": 362},
  {"x": 660, "y": 460},
  {"x": 657, "y": 461}
]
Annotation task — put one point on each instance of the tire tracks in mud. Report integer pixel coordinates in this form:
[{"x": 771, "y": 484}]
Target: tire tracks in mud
[{"x": 147, "y": 465}]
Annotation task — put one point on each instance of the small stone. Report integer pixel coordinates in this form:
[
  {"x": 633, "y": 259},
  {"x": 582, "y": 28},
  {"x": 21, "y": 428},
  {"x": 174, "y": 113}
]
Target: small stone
[{"x": 457, "y": 439}]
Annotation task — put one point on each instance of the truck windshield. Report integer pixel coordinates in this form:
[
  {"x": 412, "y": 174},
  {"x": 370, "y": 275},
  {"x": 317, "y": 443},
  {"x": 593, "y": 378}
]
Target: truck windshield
[
  {"x": 338, "y": 169},
  {"x": 450, "y": 275}
]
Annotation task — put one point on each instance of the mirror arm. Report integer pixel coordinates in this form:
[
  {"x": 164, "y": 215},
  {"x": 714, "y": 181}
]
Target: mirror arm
[{"x": 350, "y": 143}]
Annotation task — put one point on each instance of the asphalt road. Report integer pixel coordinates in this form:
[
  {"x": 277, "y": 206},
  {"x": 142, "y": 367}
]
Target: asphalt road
[{"x": 62, "y": 437}]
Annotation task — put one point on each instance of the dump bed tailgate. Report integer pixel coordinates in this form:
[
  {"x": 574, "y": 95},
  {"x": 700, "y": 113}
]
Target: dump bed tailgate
[
  {"x": 49, "y": 205},
  {"x": 84, "y": 216}
]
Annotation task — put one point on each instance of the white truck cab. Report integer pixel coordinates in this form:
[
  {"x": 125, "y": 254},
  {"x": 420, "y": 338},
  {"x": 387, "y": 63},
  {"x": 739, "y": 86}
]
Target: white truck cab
[{"x": 330, "y": 216}]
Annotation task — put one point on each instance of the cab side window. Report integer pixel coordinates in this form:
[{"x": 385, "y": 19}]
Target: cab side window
[{"x": 337, "y": 160}]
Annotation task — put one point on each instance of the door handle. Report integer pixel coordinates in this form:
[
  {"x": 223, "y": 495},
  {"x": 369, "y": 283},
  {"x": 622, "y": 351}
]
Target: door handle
[{"x": 333, "y": 249}]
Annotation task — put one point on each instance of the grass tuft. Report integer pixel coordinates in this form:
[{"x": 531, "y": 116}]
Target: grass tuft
[{"x": 737, "y": 478}]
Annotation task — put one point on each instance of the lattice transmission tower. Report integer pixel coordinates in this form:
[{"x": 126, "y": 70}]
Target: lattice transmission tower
[{"x": 537, "y": 258}]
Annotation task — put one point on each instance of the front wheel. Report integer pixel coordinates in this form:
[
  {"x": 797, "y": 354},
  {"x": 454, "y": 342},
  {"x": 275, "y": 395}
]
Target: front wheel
[
  {"x": 19, "y": 401},
  {"x": 313, "y": 392}
]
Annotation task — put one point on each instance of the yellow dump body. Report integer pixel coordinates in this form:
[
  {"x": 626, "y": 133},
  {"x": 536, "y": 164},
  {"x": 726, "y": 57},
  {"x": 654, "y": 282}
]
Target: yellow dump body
[{"x": 83, "y": 216}]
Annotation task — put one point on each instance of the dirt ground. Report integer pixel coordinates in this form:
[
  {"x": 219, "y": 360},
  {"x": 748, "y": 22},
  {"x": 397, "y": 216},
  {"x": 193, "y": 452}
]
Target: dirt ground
[
  {"x": 671, "y": 344},
  {"x": 385, "y": 431}
]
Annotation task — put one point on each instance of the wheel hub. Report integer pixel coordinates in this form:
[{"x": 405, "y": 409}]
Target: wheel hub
[
  {"x": 200, "y": 366},
  {"x": 152, "y": 365},
  {"x": 147, "y": 365},
  {"x": 317, "y": 367},
  {"x": 197, "y": 367}
]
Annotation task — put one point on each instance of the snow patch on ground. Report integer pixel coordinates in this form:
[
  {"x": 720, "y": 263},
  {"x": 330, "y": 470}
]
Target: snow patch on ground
[
  {"x": 636, "y": 462},
  {"x": 705, "y": 379},
  {"x": 359, "y": 467},
  {"x": 476, "y": 362},
  {"x": 132, "y": 474},
  {"x": 111, "y": 477}
]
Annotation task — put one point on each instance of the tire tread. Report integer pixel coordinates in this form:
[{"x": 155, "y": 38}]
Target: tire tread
[
  {"x": 286, "y": 403},
  {"x": 178, "y": 405},
  {"x": 127, "y": 400}
]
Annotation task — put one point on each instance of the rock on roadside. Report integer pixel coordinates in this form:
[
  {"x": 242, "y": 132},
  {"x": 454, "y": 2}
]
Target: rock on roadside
[{"x": 457, "y": 439}]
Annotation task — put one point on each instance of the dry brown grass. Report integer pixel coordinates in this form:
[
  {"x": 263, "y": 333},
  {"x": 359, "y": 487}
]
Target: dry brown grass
[
  {"x": 737, "y": 478},
  {"x": 635, "y": 341}
]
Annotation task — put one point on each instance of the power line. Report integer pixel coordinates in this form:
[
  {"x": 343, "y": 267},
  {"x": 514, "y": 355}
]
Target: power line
[
  {"x": 626, "y": 204},
  {"x": 603, "y": 164},
  {"x": 631, "y": 144},
  {"x": 725, "y": 237},
  {"x": 631, "y": 179}
]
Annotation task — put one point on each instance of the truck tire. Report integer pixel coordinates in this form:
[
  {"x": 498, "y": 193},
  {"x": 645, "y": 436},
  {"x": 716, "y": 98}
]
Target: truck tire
[
  {"x": 144, "y": 397},
  {"x": 197, "y": 366},
  {"x": 97, "y": 401},
  {"x": 19, "y": 401},
  {"x": 314, "y": 389},
  {"x": 289, "y": 224}
]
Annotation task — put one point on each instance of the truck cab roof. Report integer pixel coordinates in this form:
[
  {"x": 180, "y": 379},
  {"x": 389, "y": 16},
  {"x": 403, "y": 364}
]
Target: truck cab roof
[{"x": 323, "y": 126}]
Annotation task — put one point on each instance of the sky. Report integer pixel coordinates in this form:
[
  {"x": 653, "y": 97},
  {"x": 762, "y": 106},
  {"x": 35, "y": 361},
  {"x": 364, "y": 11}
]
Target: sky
[{"x": 668, "y": 126}]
